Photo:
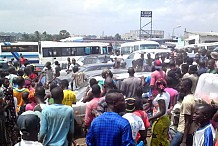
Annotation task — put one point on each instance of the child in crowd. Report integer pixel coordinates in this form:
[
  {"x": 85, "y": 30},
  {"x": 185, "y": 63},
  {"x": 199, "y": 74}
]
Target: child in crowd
[{"x": 205, "y": 135}]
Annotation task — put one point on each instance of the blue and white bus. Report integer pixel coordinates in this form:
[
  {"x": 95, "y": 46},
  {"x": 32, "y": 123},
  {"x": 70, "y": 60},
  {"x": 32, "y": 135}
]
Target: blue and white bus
[
  {"x": 30, "y": 51},
  {"x": 41, "y": 52}
]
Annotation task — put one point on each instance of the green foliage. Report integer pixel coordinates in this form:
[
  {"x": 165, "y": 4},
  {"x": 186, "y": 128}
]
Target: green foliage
[
  {"x": 117, "y": 36},
  {"x": 37, "y": 36}
]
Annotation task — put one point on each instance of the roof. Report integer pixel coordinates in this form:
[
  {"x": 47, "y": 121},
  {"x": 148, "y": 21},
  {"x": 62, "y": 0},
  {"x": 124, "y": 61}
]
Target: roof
[{"x": 204, "y": 33}]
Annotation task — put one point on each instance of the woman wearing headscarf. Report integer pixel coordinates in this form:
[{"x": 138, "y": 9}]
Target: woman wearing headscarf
[{"x": 161, "y": 120}]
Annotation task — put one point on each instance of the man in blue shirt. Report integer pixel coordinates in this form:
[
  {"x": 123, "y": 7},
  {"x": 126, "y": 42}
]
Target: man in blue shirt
[
  {"x": 57, "y": 122},
  {"x": 110, "y": 129}
]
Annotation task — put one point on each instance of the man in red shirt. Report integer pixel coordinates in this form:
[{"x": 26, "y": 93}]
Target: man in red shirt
[{"x": 22, "y": 59}]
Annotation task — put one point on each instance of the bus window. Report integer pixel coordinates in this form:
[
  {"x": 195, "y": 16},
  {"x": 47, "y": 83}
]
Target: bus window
[
  {"x": 47, "y": 52},
  {"x": 110, "y": 50},
  {"x": 87, "y": 51},
  {"x": 104, "y": 49},
  {"x": 73, "y": 51},
  {"x": 80, "y": 51},
  {"x": 65, "y": 51},
  {"x": 56, "y": 52},
  {"x": 24, "y": 48},
  {"x": 136, "y": 47},
  {"x": 125, "y": 50},
  {"x": 149, "y": 46},
  {"x": 96, "y": 50}
]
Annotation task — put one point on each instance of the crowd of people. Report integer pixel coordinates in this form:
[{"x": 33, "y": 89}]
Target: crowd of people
[{"x": 36, "y": 109}]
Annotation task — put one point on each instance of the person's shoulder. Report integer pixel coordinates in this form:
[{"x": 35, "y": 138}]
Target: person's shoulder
[
  {"x": 188, "y": 99},
  {"x": 69, "y": 92},
  {"x": 68, "y": 108}
]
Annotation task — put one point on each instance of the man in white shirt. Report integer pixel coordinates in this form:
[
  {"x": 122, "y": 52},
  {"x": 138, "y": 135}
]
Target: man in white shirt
[{"x": 136, "y": 123}]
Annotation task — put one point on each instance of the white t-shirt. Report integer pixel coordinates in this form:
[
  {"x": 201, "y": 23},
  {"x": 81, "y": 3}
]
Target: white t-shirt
[
  {"x": 204, "y": 136},
  {"x": 166, "y": 97},
  {"x": 28, "y": 143},
  {"x": 135, "y": 122}
]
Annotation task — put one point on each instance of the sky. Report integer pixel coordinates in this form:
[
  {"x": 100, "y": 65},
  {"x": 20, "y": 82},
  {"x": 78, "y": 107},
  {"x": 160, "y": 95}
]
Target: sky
[{"x": 96, "y": 17}]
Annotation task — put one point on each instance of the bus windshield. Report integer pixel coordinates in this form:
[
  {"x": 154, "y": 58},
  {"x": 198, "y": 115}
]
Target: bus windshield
[
  {"x": 148, "y": 46},
  {"x": 125, "y": 50}
]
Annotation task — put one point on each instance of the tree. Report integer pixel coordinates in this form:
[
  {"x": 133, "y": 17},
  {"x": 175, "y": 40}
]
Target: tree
[
  {"x": 117, "y": 36},
  {"x": 44, "y": 36},
  {"x": 63, "y": 34},
  {"x": 37, "y": 36},
  {"x": 25, "y": 37}
]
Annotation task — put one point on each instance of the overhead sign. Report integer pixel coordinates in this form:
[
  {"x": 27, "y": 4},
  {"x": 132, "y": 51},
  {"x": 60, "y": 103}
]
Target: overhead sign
[{"x": 146, "y": 13}]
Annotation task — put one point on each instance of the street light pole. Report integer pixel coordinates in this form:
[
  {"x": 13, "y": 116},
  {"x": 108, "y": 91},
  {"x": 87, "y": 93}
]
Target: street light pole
[{"x": 178, "y": 26}]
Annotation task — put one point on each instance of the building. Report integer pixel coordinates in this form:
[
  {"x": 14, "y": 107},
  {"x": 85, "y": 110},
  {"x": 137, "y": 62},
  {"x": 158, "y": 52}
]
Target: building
[
  {"x": 200, "y": 37},
  {"x": 135, "y": 34}
]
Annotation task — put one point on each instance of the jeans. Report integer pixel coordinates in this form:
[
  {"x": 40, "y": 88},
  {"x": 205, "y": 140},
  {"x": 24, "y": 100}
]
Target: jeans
[{"x": 177, "y": 139}]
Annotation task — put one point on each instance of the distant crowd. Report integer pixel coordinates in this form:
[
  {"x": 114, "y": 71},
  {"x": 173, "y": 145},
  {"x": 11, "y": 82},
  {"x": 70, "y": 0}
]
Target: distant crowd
[{"x": 36, "y": 107}]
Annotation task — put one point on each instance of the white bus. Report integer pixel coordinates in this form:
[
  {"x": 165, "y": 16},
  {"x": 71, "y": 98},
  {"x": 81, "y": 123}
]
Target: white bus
[
  {"x": 60, "y": 51},
  {"x": 30, "y": 51},
  {"x": 129, "y": 47}
]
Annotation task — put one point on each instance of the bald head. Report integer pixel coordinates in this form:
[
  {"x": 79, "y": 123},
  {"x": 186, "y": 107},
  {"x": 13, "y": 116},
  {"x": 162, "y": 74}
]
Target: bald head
[
  {"x": 57, "y": 95},
  {"x": 115, "y": 101},
  {"x": 131, "y": 71}
]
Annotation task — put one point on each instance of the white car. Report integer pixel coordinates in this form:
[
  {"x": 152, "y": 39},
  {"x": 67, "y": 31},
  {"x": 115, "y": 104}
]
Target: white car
[{"x": 137, "y": 54}]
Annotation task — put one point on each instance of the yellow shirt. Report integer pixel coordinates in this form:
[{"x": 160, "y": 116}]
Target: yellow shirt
[
  {"x": 69, "y": 97},
  {"x": 18, "y": 94}
]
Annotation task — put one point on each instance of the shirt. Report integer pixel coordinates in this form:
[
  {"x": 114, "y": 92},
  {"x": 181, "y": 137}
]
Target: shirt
[
  {"x": 91, "y": 108},
  {"x": 18, "y": 94},
  {"x": 156, "y": 75},
  {"x": 69, "y": 97},
  {"x": 173, "y": 93},
  {"x": 187, "y": 108},
  {"x": 164, "y": 96},
  {"x": 28, "y": 143},
  {"x": 130, "y": 85},
  {"x": 135, "y": 122},
  {"x": 204, "y": 136},
  {"x": 49, "y": 74},
  {"x": 143, "y": 115},
  {"x": 110, "y": 129},
  {"x": 57, "y": 121}
]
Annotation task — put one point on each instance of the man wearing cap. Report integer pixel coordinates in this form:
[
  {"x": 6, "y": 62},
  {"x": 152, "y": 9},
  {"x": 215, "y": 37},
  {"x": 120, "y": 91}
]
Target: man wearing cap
[
  {"x": 29, "y": 125},
  {"x": 214, "y": 55},
  {"x": 130, "y": 84},
  {"x": 137, "y": 125}
]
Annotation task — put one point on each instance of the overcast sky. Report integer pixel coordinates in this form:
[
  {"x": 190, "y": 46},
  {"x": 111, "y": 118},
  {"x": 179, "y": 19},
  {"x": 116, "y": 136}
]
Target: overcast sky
[{"x": 108, "y": 16}]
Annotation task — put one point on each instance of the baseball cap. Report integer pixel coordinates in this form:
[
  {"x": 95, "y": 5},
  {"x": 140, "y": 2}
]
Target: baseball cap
[
  {"x": 130, "y": 104},
  {"x": 28, "y": 123},
  {"x": 157, "y": 64},
  {"x": 214, "y": 55}
]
